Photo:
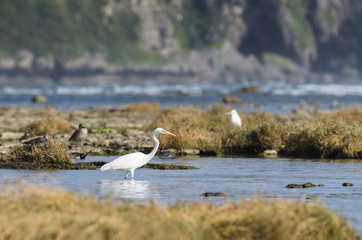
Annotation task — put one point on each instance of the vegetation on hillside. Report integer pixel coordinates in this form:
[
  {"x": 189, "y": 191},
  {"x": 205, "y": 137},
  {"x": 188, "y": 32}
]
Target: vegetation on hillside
[
  {"x": 68, "y": 29},
  {"x": 197, "y": 25},
  {"x": 300, "y": 30}
]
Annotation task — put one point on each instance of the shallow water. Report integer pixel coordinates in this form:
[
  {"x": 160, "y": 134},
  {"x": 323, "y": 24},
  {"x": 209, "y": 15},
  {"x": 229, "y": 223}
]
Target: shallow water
[{"x": 241, "y": 178}]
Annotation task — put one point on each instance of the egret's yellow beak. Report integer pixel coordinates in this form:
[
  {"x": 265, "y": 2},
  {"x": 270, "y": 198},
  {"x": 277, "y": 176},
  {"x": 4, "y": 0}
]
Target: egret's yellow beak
[{"x": 170, "y": 133}]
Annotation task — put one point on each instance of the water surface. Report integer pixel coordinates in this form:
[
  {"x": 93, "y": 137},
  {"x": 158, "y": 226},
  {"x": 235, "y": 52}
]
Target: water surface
[
  {"x": 241, "y": 178},
  {"x": 273, "y": 97}
]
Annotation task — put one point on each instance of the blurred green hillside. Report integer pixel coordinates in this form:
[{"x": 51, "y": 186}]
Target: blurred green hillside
[
  {"x": 315, "y": 35},
  {"x": 67, "y": 29}
]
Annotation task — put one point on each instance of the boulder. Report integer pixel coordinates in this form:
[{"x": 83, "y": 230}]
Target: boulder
[
  {"x": 231, "y": 99},
  {"x": 39, "y": 99},
  {"x": 346, "y": 184},
  {"x": 268, "y": 153},
  {"x": 305, "y": 185},
  {"x": 250, "y": 89}
]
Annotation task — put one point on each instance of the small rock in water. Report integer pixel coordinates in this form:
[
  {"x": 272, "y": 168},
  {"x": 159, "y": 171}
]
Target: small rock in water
[
  {"x": 268, "y": 153},
  {"x": 161, "y": 166},
  {"x": 231, "y": 99},
  {"x": 293, "y": 185},
  {"x": 308, "y": 185},
  {"x": 347, "y": 184},
  {"x": 214, "y": 194},
  {"x": 305, "y": 185},
  {"x": 251, "y": 89},
  {"x": 39, "y": 99}
]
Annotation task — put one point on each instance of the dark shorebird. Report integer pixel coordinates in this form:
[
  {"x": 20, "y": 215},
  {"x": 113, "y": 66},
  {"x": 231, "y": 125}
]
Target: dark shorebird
[
  {"x": 24, "y": 137},
  {"x": 77, "y": 155},
  {"x": 38, "y": 141},
  {"x": 79, "y": 134}
]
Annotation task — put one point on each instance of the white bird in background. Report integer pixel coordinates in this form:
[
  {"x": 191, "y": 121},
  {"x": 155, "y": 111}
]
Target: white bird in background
[
  {"x": 130, "y": 162},
  {"x": 235, "y": 119}
]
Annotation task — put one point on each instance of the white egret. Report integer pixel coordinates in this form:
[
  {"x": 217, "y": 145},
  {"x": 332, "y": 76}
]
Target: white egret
[
  {"x": 130, "y": 162},
  {"x": 235, "y": 119}
]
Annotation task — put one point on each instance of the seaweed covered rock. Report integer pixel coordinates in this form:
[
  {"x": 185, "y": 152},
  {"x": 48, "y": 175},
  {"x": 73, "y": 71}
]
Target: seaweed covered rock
[
  {"x": 347, "y": 184},
  {"x": 167, "y": 166},
  {"x": 305, "y": 185},
  {"x": 39, "y": 151},
  {"x": 39, "y": 99},
  {"x": 214, "y": 194}
]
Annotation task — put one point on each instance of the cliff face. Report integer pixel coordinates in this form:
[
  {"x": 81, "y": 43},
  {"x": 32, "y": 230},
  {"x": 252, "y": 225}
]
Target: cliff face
[
  {"x": 338, "y": 33},
  {"x": 231, "y": 40},
  {"x": 320, "y": 35}
]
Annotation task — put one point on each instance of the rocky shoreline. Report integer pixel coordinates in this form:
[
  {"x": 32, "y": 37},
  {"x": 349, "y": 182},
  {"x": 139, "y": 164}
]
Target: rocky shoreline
[
  {"x": 111, "y": 132},
  {"x": 236, "y": 41},
  {"x": 226, "y": 64}
]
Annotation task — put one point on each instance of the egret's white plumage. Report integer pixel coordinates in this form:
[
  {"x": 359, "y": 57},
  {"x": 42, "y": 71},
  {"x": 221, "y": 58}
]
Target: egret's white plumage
[
  {"x": 130, "y": 162},
  {"x": 235, "y": 119}
]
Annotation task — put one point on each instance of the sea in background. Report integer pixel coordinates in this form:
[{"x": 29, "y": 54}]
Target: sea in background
[{"x": 272, "y": 97}]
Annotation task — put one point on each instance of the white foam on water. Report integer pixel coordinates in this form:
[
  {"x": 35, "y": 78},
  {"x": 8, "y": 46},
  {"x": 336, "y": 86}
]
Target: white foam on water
[
  {"x": 9, "y": 90},
  {"x": 182, "y": 89},
  {"x": 149, "y": 89},
  {"x": 314, "y": 89},
  {"x": 79, "y": 90}
]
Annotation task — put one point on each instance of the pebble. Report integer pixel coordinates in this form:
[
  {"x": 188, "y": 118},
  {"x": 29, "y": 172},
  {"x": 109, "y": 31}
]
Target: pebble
[{"x": 347, "y": 184}]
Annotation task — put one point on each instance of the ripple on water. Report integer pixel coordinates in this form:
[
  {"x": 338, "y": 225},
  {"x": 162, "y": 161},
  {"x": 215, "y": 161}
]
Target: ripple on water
[{"x": 240, "y": 178}]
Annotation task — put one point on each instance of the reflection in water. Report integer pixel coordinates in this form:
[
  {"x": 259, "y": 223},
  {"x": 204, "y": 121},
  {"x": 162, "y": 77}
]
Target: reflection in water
[{"x": 128, "y": 189}]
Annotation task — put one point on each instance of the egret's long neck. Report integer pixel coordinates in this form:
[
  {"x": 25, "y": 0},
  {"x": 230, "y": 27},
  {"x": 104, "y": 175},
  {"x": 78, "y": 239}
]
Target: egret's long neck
[{"x": 155, "y": 148}]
